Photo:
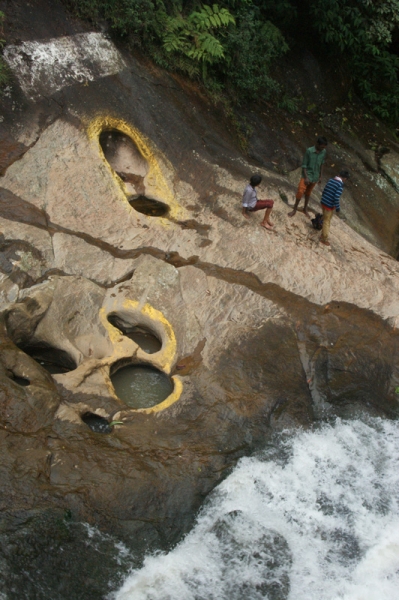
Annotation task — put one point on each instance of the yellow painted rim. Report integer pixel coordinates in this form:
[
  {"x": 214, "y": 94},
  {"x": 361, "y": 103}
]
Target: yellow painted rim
[
  {"x": 169, "y": 352},
  {"x": 146, "y": 149}
]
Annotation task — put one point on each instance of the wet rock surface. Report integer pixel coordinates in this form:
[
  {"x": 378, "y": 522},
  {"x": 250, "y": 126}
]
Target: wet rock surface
[
  {"x": 260, "y": 371},
  {"x": 10, "y": 150},
  {"x": 49, "y": 544},
  {"x": 258, "y": 331}
]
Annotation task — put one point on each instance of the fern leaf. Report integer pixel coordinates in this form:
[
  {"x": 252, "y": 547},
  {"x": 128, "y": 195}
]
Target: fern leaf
[
  {"x": 215, "y": 21},
  {"x": 226, "y": 18}
]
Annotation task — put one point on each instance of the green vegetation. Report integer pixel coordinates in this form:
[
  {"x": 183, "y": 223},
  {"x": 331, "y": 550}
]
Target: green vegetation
[
  {"x": 360, "y": 32},
  {"x": 232, "y": 46},
  {"x": 228, "y": 46}
]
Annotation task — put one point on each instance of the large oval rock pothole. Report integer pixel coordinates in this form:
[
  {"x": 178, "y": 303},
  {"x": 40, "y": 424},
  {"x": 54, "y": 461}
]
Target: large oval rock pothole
[
  {"x": 125, "y": 159},
  {"x": 141, "y": 386},
  {"x": 141, "y": 335}
]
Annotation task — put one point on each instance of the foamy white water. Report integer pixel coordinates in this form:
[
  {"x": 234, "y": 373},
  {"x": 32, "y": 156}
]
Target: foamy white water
[
  {"x": 48, "y": 66},
  {"x": 315, "y": 518}
]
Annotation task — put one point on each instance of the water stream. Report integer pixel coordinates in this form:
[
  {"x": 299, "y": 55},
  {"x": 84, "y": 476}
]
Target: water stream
[{"x": 313, "y": 517}]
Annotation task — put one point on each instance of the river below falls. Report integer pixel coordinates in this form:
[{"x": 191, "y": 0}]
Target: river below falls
[{"x": 313, "y": 517}]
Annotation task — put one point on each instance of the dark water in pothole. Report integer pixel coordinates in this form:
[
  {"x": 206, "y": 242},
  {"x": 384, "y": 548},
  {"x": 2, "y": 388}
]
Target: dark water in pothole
[
  {"x": 149, "y": 207},
  {"x": 54, "y": 360},
  {"x": 147, "y": 342},
  {"x": 141, "y": 386},
  {"x": 96, "y": 423},
  {"x": 142, "y": 336}
]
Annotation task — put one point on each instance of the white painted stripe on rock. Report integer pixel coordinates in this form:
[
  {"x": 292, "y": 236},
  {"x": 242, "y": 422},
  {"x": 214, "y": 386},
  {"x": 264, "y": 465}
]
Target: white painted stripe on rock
[{"x": 43, "y": 68}]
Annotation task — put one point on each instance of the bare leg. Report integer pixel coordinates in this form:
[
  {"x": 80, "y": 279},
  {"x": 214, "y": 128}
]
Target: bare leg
[
  {"x": 292, "y": 213},
  {"x": 245, "y": 212},
  {"x": 305, "y": 209},
  {"x": 267, "y": 216},
  {"x": 266, "y": 223}
]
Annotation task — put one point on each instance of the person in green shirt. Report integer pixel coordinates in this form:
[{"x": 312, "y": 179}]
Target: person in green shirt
[{"x": 312, "y": 166}]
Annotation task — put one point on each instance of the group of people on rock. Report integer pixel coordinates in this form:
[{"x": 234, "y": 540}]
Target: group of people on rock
[{"x": 312, "y": 168}]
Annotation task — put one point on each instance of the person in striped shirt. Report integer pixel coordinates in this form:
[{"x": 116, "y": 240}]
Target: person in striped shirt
[{"x": 330, "y": 202}]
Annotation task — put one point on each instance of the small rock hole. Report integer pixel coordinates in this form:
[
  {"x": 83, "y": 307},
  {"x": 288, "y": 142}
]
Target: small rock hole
[
  {"x": 96, "y": 423},
  {"x": 20, "y": 380}
]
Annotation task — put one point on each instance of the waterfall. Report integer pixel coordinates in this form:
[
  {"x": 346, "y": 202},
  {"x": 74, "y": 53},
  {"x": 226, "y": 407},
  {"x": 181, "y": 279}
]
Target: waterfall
[{"x": 315, "y": 516}]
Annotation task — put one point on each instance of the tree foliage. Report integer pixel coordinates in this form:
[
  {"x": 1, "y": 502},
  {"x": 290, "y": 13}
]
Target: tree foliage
[
  {"x": 251, "y": 48},
  {"x": 234, "y": 44},
  {"x": 360, "y": 31},
  {"x": 194, "y": 36}
]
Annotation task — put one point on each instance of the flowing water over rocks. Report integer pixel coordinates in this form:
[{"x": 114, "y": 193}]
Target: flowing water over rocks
[{"x": 315, "y": 515}]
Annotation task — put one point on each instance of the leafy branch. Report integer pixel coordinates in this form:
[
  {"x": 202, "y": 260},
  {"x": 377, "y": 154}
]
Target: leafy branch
[{"x": 194, "y": 36}]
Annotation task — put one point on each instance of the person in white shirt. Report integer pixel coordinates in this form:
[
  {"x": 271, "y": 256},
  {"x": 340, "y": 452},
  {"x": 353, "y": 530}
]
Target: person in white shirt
[{"x": 250, "y": 202}]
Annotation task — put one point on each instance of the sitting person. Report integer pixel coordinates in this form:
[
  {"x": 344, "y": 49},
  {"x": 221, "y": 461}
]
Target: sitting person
[{"x": 250, "y": 202}]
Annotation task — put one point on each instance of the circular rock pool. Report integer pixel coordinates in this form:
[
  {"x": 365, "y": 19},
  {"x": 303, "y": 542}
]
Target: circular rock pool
[{"x": 141, "y": 386}]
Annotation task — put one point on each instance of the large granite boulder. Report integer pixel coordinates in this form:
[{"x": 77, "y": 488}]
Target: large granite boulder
[{"x": 120, "y": 209}]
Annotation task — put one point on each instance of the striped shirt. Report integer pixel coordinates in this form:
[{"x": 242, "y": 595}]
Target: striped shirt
[
  {"x": 332, "y": 193},
  {"x": 249, "y": 198}
]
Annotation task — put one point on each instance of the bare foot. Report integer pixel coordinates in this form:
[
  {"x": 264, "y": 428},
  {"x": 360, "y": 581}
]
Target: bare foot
[
  {"x": 266, "y": 226},
  {"x": 325, "y": 243},
  {"x": 307, "y": 214},
  {"x": 245, "y": 214},
  {"x": 270, "y": 223},
  {"x": 292, "y": 213}
]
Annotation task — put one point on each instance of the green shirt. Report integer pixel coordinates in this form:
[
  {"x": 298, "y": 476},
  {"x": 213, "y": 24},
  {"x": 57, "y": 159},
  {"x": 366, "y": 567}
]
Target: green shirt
[{"x": 312, "y": 162}]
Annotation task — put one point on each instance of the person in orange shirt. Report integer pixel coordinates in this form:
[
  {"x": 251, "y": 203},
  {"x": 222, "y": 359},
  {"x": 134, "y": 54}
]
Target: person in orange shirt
[{"x": 312, "y": 166}]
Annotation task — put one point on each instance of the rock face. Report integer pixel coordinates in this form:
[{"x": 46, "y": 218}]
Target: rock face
[{"x": 259, "y": 330}]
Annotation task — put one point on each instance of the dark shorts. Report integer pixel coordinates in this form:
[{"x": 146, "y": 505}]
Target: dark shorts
[{"x": 261, "y": 204}]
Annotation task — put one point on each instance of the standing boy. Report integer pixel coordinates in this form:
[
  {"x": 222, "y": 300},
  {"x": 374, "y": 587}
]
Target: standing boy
[
  {"x": 312, "y": 166},
  {"x": 250, "y": 202},
  {"x": 330, "y": 202}
]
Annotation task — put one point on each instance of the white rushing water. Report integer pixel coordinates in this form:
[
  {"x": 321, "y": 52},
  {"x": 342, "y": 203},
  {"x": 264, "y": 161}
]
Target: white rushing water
[
  {"x": 44, "y": 67},
  {"x": 314, "y": 518}
]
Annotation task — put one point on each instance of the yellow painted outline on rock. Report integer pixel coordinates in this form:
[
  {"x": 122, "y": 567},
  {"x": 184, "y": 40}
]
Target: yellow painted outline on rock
[
  {"x": 168, "y": 352},
  {"x": 145, "y": 147}
]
